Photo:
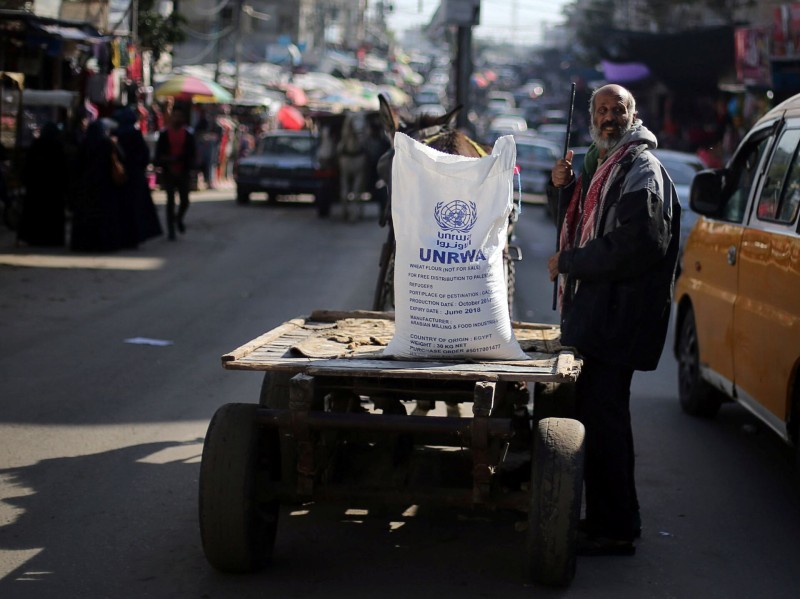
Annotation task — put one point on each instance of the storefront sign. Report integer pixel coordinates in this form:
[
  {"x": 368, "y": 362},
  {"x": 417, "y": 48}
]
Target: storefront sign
[{"x": 752, "y": 55}]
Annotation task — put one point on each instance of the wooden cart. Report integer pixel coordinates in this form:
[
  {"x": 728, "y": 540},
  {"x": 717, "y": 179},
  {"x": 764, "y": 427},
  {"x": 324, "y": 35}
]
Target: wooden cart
[{"x": 333, "y": 422}]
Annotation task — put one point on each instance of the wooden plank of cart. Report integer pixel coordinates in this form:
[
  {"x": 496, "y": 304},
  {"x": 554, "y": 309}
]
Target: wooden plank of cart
[{"x": 338, "y": 420}]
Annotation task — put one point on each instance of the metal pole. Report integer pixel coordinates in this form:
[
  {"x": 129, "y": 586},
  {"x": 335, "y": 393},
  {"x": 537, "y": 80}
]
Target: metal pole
[
  {"x": 238, "y": 47},
  {"x": 134, "y": 22},
  {"x": 464, "y": 70},
  {"x": 217, "y": 29}
]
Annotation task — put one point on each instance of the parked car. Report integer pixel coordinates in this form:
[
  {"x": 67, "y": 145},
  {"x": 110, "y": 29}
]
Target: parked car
[
  {"x": 506, "y": 125},
  {"x": 498, "y": 102},
  {"x": 429, "y": 109},
  {"x": 535, "y": 158},
  {"x": 555, "y": 132},
  {"x": 682, "y": 167},
  {"x": 285, "y": 163},
  {"x": 532, "y": 89},
  {"x": 554, "y": 117},
  {"x": 428, "y": 95},
  {"x": 737, "y": 299}
]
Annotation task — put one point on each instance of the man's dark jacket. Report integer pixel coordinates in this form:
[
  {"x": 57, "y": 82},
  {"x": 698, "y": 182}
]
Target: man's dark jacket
[{"x": 619, "y": 313}]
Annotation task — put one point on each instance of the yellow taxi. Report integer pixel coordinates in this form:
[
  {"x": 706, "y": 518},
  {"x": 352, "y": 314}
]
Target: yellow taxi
[{"x": 737, "y": 299}]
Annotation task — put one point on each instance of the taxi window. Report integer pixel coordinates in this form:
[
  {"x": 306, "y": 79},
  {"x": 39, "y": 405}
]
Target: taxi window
[
  {"x": 743, "y": 171},
  {"x": 780, "y": 194}
]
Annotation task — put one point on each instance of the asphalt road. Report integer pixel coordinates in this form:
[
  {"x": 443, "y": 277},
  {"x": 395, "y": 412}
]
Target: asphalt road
[{"x": 100, "y": 439}]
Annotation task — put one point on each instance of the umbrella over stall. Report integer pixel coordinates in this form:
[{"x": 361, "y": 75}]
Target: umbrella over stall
[
  {"x": 290, "y": 117},
  {"x": 188, "y": 88},
  {"x": 296, "y": 95}
]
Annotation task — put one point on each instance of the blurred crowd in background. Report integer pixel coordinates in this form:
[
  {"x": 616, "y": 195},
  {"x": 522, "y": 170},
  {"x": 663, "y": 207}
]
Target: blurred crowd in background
[{"x": 62, "y": 192}]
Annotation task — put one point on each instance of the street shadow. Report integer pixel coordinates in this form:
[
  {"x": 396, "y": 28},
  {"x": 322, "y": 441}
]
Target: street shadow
[
  {"x": 365, "y": 211},
  {"x": 123, "y": 523},
  {"x": 95, "y": 525}
]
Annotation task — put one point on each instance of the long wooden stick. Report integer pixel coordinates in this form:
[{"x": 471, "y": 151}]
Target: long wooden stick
[{"x": 561, "y": 191}]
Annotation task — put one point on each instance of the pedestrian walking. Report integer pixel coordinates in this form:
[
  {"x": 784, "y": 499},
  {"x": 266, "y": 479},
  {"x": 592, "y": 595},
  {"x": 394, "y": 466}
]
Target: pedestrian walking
[
  {"x": 176, "y": 155},
  {"x": 615, "y": 269},
  {"x": 43, "y": 220},
  {"x": 206, "y": 138},
  {"x": 96, "y": 215},
  {"x": 353, "y": 160},
  {"x": 141, "y": 219}
]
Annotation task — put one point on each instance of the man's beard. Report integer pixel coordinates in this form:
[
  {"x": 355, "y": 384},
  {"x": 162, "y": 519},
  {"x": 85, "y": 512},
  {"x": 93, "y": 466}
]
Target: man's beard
[{"x": 608, "y": 143}]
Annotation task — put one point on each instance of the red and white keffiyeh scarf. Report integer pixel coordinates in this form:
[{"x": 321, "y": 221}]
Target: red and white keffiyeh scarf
[{"x": 581, "y": 223}]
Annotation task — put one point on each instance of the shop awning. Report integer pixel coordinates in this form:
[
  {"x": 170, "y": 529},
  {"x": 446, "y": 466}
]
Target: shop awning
[
  {"x": 69, "y": 33},
  {"x": 695, "y": 59},
  {"x": 624, "y": 72},
  {"x": 18, "y": 21},
  {"x": 50, "y": 97}
]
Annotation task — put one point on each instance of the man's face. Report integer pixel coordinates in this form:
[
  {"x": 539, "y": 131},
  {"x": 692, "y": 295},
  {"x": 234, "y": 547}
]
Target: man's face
[{"x": 610, "y": 119}]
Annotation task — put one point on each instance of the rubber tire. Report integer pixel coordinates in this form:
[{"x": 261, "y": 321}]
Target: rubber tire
[
  {"x": 322, "y": 201},
  {"x": 697, "y": 397},
  {"x": 384, "y": 290},
  {"x": 554, "y": 400},
  {"x": 238, "y": 514},
  {"x": 275, "y": 390},
  {"x": 511, "y": 281},
  {"x": 242, "y": 196},
  {"x": 556, "y": 493}
]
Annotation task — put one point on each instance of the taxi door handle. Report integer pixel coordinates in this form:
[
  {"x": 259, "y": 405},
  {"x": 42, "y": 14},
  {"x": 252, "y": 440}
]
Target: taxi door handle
[{"x": 732, "y": 255}]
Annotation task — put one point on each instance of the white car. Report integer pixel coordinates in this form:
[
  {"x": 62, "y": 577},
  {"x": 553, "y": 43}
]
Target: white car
[
  {"x": 499, "y": 102},
  {"x": 682, "y": 167},
  {"x": 555, "y": 132},
  {"x": 507, "y": 125},
  {"x": 430, "y": 109},
  {"x": 535, "y": 158}
]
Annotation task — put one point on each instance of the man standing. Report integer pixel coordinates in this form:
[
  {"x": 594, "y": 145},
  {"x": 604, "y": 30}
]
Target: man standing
[
  {"x": 616, "y": 268},
  {"x": 176, "y": 155}
]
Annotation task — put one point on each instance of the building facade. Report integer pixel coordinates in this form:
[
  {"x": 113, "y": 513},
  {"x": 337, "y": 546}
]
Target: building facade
[{"x": 262, "y": 30}]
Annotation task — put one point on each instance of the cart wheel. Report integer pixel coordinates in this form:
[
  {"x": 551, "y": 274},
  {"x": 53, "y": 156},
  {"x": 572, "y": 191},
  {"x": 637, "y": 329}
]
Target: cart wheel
[
  {"x": 553, "y": 400},
  {"x": 384, "y": 290},
  {"x": 238, "y": 502},
  {"x": 242, "y": 195},
  {"x": 556, "y": 489},
  {"x": 511, "y": 281},
  {"x": 275, "y": 390}
]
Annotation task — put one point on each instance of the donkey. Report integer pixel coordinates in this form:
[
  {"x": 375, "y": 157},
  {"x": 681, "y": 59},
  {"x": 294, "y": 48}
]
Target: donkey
[{"x": 437, "y": 132}]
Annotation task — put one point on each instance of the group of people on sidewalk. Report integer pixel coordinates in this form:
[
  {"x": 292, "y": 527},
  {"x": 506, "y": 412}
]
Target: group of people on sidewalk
[{"x": 99, "y": 176}]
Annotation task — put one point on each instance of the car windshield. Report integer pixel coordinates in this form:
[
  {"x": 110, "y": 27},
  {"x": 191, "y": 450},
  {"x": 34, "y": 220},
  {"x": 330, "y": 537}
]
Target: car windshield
[{"x": 291, "y": 146}]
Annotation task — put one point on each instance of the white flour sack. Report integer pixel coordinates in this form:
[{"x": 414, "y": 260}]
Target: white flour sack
[{"x": 450, "y": 217}]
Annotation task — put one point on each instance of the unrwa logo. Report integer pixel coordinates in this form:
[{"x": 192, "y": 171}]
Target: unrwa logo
[{"x": 457, "y": 215}]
